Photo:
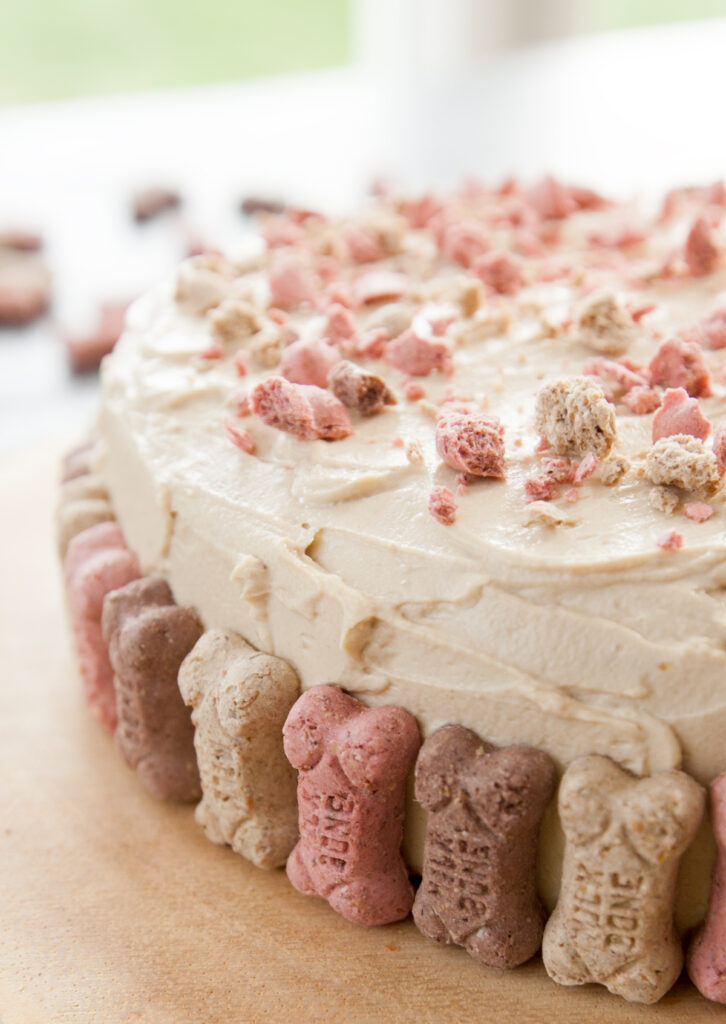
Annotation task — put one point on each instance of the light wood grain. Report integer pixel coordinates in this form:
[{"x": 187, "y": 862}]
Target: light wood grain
[{"x": 116, "y": 908}]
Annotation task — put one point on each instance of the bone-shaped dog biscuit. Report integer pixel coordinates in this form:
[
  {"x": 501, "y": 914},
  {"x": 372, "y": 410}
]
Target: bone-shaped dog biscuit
[
  {"x": 707, "y": 953},
  {"x": 148, "y": 637},
  {"x": 613, "y": 923},
  {"x": 97, "y": 562},
  {"x": 485, "y": 805},
  {"x": 352, "y": 762},
  {"x": 240, "y": 699}
]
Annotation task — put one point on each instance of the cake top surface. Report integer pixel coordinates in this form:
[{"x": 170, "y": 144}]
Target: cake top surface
[{"x": 484, "y": 311}]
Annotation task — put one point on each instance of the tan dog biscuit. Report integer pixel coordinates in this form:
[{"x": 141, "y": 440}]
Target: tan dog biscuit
[
  {"x": 148, "y": 637},
  {"x": 241, "y": 698},
  {"x": 485, "y": 805},
  {"x": 82, "y": 502},
  {"x": 78, "y": 461},
  {"x": 613, "y": 923}
]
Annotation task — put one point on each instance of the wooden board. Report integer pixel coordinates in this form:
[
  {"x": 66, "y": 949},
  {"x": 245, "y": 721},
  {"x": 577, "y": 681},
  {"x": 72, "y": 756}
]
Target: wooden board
[{"x": 116, "y": 908}]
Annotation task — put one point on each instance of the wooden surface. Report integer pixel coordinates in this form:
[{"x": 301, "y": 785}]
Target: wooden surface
[{"x": 115, "y": 908}]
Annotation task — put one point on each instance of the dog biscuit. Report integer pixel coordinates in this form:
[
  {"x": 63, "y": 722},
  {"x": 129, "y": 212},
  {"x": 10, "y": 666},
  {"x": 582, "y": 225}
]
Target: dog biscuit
[
  {"x": 352, "y": 763},
  {"x": 240, "y": 698},
  {"x": 613, "y": 922},
  {"x": 485, "y": 805},
  {"x": 148, "y": 637}
]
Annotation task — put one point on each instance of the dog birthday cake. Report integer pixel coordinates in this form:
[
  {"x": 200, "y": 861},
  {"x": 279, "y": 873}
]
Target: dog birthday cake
[{"x": 401, "y": 549}]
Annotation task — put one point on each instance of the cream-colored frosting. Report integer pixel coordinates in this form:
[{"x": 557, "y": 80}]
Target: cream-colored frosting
[{"x": 578, "y": 638}]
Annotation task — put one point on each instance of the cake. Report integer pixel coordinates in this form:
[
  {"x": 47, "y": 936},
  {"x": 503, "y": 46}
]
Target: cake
[{"x": 459, "y": 455}]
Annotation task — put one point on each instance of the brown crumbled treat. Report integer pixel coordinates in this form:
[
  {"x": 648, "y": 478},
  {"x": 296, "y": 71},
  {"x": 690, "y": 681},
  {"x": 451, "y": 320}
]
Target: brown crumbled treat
[
  {"x": 21, "y": 240},
  {"x": 240, "y": 699},
  {"x": 367, "y": 393},
  {"x": 148, "y": 637},
  {"x": 574, "y": 416},
  {"x": 24, "y": 288},
  {"x": 664, "y": 499},
  {"x": 150, "y": 202},
  {"x": 252, "y": 205},
  {"x": 682, "y": 461},
  {"x": 485, "y": 805},
  {"x": 234, "y": 320},
  {"x": 611, "y": 470},
  {"x": 605, "y": 326},
  {"x": 470, "y": 296},
  {"x": 613, "y": 923},
  {"x": 203, "y": 282}
]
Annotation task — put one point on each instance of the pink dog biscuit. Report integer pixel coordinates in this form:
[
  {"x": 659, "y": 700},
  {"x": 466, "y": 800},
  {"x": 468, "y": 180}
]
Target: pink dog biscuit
[
  {"x": 96, "y": 563},
  {"x": 148, "y": 637},
  {"x": 352, "y": 762},
  {"x": 707, "y": 953},
  {"x": 240, "y": 699},
  {"x": 484, "y": 808},
  {"x": 613, "y": 922}
]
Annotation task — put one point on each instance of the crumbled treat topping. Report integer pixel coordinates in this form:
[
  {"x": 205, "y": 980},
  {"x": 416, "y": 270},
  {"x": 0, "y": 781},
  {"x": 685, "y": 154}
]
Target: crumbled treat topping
[
  {"x": 682, "y": 461},
  {"x": 442, "y": 505},
  {"x": 575, "y": 418}
]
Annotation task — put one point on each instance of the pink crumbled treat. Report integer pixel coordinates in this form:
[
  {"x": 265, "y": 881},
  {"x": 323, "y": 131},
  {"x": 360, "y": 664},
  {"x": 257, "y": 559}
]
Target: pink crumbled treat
[
  {"x": 279, "y": 232},
  {"x": 471, "y": 441},
  {"x": 499, "y": 270},
  {"x": 97, "y": 562},
  {"x": 679, "y": 363},
  {"x": 442, "y": 505},
  {"x": 240, "y": 437},
  {"x": 541, "y": 488},
  {"x": 291, "y": 283},
  {"x": 418, "y": 356},
  {"x": 641, "y": 309},
  {"x": 670, "y": 541},
  {"x": 371, "y": 344},
  {"x": 706, "y": 959},
  {"x": 215, "y": 350},
  {"x": 701, "y": 251},
  {"x": 241, "y": 363},
  {"x": 379, "y": 286},
  {"x": 278, "y": 316},
  {"x": 679, "y": 414},
  {"x": 340, "y": 327},
  {"x": 242, "y": 405},
  {"x": 698, "y": 511},
  {"x": 309, "y": 362},
  {"x": 719, "y": 447},
  {"x": 587, "y": 467},
  {"x": 363, "y": 244},
  {"x": 304, "y": 410},
  {"x": 463, "y": 241},
  {"x": 352, "y": 764},
  {"x": 551, "y": 199},
  {"x": 642, "y": 400},
  {"x": 561, "y": 470},
  {"x": 713, "y": 328},
  {"x": 414, "y": 390},
  {"x": 572, "y": 495},
  {"x": 398, "y": 442},
  {"x": 418, "y": 212},
  {"x": 615, "y": 375}
]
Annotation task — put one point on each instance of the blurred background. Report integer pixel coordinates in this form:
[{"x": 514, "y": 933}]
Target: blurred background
[{"x": 309, "y": 102}]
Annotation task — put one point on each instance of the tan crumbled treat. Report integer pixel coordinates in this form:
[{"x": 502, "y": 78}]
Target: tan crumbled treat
[
  {"x": 233, "y": 320},
  {"x": 202, "y": 283},
  {"x": 393, "y": 317},
  {"x": 543, "y": 513},
  {"x": 489, "y": 322},
  {"x": 575, "y": 418},
  {"x": 682, "y": 461},
  {"x": 414, "y": 452},
  {"x": 470, "y": 297},
  {"x": 266, "y": 346},
  {"x": 611, "y": 470},
  {"x": 240, "y": 699},
  {"x": 613, "y": 922},
  {"x": 665, "y": 499},
  {"x": 605, "y": 326}
]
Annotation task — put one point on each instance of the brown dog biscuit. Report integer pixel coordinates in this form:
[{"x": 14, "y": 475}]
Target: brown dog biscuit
[
  {"x": 148, "y": 637},
  {"x": 240, "y": 699},
  {"x": 485, "y": 805},
  {"x": 613, "y": 923}
]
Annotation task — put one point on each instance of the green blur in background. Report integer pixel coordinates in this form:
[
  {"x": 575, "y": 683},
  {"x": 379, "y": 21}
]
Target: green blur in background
[{"x": 57, "y": 48}]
